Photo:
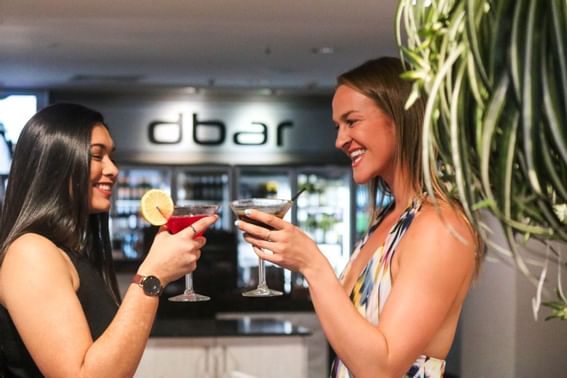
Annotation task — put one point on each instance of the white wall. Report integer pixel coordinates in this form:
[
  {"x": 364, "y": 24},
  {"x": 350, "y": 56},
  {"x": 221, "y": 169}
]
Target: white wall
[
  {"x": 488, "y": 325},
  {"x": 541, "y": 347},
  {"x": 500, "y": 337}
]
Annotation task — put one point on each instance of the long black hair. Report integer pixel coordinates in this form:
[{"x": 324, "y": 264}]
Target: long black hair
[{"x": 48, "y": 187}]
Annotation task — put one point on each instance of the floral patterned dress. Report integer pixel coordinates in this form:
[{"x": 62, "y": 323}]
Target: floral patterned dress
[{"x": 373, "y": 286}]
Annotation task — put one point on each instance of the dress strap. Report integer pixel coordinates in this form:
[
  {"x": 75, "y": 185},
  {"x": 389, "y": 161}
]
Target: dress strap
[{"x": 381, "y": 214}]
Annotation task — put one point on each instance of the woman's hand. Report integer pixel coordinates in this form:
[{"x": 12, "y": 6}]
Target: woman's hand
[
  {"x": 171, "y": 256},
  {"x": 292, "y": 249}
]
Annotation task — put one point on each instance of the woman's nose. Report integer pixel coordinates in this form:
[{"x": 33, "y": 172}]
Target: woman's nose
[
  {"x": 343, "y": 139},
  {"x": 110, "y": 168}
]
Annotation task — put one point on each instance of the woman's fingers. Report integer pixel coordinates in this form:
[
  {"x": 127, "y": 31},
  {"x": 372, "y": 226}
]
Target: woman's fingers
[
  {"x": 199, "y": 227},
  {"x": 271, "y": 220},
  {"x": 259, "y": 242},
  {"x": 269, "y": 232},
  {"x": 271, "y": 257}
]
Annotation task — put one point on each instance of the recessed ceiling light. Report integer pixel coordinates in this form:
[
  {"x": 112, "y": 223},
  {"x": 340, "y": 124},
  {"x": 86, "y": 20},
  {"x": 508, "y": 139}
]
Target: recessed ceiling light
[
  {"x": 190, "y": 90},
  {"x": 323, "y": 50},
  {"x": 266, "y": 91}
]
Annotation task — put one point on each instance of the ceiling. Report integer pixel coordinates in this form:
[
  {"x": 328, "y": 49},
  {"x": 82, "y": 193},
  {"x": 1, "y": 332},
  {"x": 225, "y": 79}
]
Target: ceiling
[{"x": 188, "y": 43}]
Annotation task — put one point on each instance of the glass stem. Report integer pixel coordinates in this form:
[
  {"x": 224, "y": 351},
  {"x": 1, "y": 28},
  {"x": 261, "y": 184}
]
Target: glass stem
[
  {"x": 261, "y": 273},
  {"x": 189, "y": 283}
]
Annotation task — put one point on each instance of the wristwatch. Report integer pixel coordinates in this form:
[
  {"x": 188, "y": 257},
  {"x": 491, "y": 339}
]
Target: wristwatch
[{"x": 150, "y": 284}]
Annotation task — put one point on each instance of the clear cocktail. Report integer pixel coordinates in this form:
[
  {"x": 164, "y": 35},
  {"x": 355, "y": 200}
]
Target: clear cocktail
[{"x": 277, "y": 207}]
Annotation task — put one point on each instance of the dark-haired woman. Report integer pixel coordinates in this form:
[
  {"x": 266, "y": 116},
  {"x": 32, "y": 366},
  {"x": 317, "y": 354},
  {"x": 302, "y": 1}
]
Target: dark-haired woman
[
  {"x": 60, "y": 308},
  {"x": 394, "y": 310}
]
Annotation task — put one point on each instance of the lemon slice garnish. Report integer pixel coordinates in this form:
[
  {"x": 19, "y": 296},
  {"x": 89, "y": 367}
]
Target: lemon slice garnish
[{"x": 156, "y": 207}]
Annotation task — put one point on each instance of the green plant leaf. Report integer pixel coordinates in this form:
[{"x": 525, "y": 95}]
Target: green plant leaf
[
  {"x": 516, "y": 46},
  {"x": 491, "y": 119},
  {"x": 472, "y": 9},
  {"x": 558, "y": 12},
  {"x": 496, "y": 112},
  {"x": 529, "y": 105},
  {"x": 555, "y": 115}
]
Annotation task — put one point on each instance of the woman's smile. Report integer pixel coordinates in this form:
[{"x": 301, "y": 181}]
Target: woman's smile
[
  {"x": 356, "y": 156},
  {"x": 105, "y": 189}
]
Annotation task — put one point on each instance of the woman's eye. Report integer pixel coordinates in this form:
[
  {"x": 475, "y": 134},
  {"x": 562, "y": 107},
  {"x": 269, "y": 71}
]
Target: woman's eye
[
  {"x": 96, "y": 157},
  {"x": 350, "y": 122}
]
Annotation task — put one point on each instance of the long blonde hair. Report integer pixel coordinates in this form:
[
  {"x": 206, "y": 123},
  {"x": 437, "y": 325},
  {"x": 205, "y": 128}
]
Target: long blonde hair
[{"x": 380, "y": 80}]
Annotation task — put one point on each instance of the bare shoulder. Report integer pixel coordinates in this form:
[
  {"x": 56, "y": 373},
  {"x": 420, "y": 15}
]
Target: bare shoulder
[
  {"x": 446, "y": 219},
  {"x": 432, "y": 269},
  {"x": 442, "y": 231},
  {"x": 34, "y": 257},
  {"x": 31, "y": 245}
]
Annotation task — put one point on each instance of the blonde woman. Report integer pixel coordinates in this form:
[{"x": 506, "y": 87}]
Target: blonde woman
[{"x": 394, "y": 310}]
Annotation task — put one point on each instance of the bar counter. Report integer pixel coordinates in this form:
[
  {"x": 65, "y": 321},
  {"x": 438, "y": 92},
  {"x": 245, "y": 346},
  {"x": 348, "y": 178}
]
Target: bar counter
[{"x": 243, "y": 327}]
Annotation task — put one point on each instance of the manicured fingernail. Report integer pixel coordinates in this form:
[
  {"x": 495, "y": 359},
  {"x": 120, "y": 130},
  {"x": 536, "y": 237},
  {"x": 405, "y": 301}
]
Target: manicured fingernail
[
  {"x": 236, "y": 222},
  {"x": 247, "y": 212}
]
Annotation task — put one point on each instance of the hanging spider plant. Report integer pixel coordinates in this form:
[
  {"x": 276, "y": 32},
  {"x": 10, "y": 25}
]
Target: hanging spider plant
[{"x": 495, "y": 73}]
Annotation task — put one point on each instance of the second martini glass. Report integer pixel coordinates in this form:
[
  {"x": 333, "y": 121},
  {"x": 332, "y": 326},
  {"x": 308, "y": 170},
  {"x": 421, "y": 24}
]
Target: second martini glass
[
  {"x": 183, "y": 217},
  {"x": 277, "y": 207}
]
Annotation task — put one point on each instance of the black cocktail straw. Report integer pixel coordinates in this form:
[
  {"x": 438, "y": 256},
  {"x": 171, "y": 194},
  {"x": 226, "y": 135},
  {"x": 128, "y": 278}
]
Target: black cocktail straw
[{"x": 297, "y": 195}]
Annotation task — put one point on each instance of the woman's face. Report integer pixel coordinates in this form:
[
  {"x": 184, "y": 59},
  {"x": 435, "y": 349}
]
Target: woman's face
[
  {"x": 103, "y": 170},
  {"x": 365, "y": 133}
]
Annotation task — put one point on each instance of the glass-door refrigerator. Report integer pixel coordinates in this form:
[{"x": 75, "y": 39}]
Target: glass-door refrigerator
[
  {"x": 361, "y": 217},
  {"x": 324, "y": 211},
  {"x": 205, "y": 184},
  {"x": 130, "y": 233}
]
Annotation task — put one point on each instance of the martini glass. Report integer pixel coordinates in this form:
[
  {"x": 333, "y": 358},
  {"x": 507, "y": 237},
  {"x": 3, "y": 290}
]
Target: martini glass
[
  {"x": 277, "y": 207},
  {"x": 183, "y": 217}
]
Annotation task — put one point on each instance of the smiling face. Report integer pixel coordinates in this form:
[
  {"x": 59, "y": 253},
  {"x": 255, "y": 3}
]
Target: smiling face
[
  {"x": 365, "y": 133},
  {"x": 103, "y": 171}
]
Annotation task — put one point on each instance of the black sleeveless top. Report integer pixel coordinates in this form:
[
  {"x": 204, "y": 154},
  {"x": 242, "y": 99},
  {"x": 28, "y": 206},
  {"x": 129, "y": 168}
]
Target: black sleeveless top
[{"x": 98, "y": 305}]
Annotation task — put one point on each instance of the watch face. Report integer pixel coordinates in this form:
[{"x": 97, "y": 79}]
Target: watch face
[{"x": 152, "y": 285}]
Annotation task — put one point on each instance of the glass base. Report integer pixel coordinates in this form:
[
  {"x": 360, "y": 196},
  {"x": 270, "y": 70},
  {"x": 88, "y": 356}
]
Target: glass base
[
  {"x": 262, "y": 292},
  {"x": 189, "y": 296}
]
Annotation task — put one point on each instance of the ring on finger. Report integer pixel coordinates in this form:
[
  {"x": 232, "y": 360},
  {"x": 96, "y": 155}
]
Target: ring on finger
[
  {"x": 268, "y": 236},
  {"x": 193, "y": 228}
]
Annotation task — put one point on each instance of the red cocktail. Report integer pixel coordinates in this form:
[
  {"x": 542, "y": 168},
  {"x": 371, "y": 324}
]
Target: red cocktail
[
  {"x": 176, "y": 223},
  {"x": 183, "y": 217}
]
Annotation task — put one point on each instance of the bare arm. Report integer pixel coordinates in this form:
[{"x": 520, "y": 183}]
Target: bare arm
[
  {"x": 433, "y": 268},
  {"x": 38, "y": 287}
]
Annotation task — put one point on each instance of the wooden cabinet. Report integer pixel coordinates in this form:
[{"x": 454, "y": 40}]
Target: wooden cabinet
[{"x": 225, "y": 357}]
